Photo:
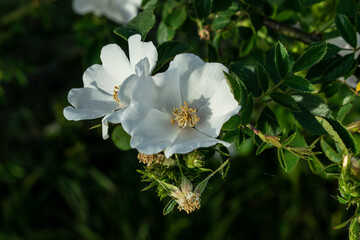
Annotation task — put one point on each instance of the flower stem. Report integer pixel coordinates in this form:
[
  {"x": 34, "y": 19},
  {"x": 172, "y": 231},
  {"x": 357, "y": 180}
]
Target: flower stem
[{"x": 271, "y": 90}]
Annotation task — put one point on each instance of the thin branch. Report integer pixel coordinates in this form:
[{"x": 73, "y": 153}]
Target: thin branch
[{"x": 292, "y": 32}]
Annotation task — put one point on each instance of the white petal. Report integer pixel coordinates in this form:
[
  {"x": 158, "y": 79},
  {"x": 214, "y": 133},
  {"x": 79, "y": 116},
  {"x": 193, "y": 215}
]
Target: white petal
[
  {"x": 89, "y": 98},
  {"x": 142, "y": 98},
  {"x": 115, "y": 62},
  {"x": 74, "y": 114},
  {"x": 213, "y": 125},
  {"x": 154, "y": 133},
  {"x": 352, "y": 81},
  {"x": 142, "y": 68},
  {"x": 202, "y": 84},
  {"x": 190, "y": 139},
  {"x": 113, "y": 117},
  {"x": 126, "y": 90},
  {"x": 105, "y": 128},
  {"x": 121, "y": 11},
  {"x": 84, "y": 6},
  {"x": 186, "y": 63},
  {"x": 133, "y": 116},
  {"x": 139, "y": 50},
  {"x": 217, "y": 110},
  {"x": 97, "y": 76},
  {"x": 168, "y": 86}
]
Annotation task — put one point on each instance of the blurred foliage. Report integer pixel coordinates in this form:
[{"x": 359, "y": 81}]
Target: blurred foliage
[{"x": 60, "y": 180}]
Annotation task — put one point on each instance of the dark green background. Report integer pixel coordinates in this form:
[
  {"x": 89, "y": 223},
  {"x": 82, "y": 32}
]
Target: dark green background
[{"x": 59, "y": 180}]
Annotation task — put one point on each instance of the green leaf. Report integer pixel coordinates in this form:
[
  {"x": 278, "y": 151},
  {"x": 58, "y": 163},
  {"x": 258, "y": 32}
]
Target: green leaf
[
  {"x": 313, "y": 104},
  {"x": 312, "y": 56},
  {"x": 164, "y": 33},
  {"x": 290, "y": 160},
  {"x": 232, "y": 123},
  {"x": 231, "y": 136},
  {"x": 147, "y": 3},
  {"x": 243, "y": 94},
  {"x": 240, "y": 139},
  {"x": 344, "y": 223},
  {"x": 339, "y": 67},
  {"x": 270, "y": 66},
  {"x": 168, "y": 50},
  {"x": 169, "y": 207},
  {"x": 246, "y": 74},
  {"x": 262, "y": 77},
  {"x": 267, "y": 122},
  {"x": 333, "y": 169},
  {"x": 282, "y": 60},
  {"x": 299, "y": 83},
  {"x": 333, "y": 134},
  {"x": 120, "y": 138},
  {"x": 176, "y": 18},
  {"x": 346, "y": 29},
  {"x": 308, "y": 121},
  {"x": 246, "y": 112},
  {"x": 233, "y": 84},
  {"x": 281, "y": 158},
  {"x": 315, "y": 165},
  {"x": 309, "y": 2},
  {"x": 345, "y": 135},
  {"x": 261, "y": 148},
  {"x": 285, "y": 101},
  {"x": 357, "y": 22},
  {"x": 289, "y": 139},
  {"x": 202, "y": 8},
  {"x": 345, "y": 108},
  {"x": 347, "y": 7},
  {"x": 329, "y": 152},
  {"x": 202, "y": 185},
  {"x": 220, "y": 22},
  {"x": 141, "y": 24}
]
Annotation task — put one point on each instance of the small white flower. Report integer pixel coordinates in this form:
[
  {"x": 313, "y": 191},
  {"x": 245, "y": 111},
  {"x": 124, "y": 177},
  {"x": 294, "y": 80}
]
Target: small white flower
[
  {"x": 181, "y": 109},
  {"x": 351, "y": 81},
  {"x": 119, "y": 11},
  {"x": 99, "y": 96}
]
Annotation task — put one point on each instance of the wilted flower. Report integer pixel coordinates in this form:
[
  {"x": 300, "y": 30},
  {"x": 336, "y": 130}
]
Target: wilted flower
[
  {"x": 119, "y": 11},
  {"x": 99, "y": 96},
  {"x": 186, "y": 197},
  {"x": 181, "y": 109}
]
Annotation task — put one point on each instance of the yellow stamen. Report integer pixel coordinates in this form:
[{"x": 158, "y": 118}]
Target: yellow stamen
[
  {"x": 115, "y": 95},
  {"x": 185, "y": 116}
]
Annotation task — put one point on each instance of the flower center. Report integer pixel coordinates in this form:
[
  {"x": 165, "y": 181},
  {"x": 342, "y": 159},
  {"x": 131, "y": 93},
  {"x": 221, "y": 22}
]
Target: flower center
[
  {"x": 115, "y": 95},
  {"x": 184, "y": 116},
  {"x": 189, "y": 202}
]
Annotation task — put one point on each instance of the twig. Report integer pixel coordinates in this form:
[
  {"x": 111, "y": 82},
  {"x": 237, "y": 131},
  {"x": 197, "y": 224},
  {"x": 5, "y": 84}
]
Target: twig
[{"x": 292, "y": 32}]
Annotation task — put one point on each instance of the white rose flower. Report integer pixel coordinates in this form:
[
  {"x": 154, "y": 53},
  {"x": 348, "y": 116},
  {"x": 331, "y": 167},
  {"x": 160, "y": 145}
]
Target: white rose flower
[
  {"x": 179, "y": 110},
  {"x": 99, "y": 96},
  {"x": 351, "y": 81},
  {"x": 119, "y": 11}
]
